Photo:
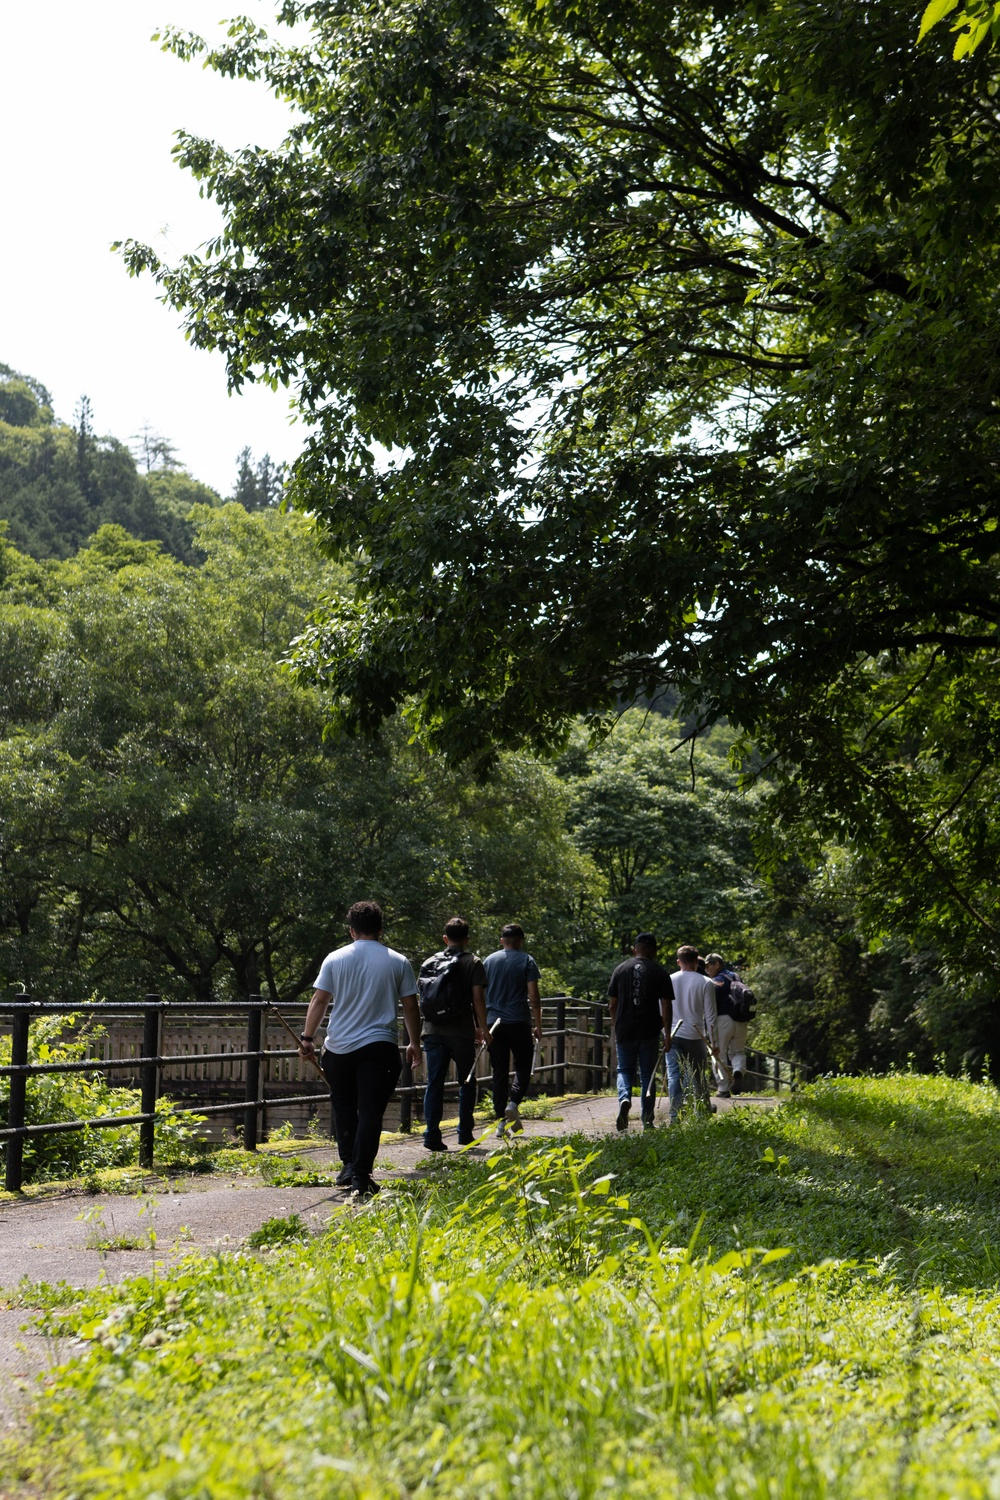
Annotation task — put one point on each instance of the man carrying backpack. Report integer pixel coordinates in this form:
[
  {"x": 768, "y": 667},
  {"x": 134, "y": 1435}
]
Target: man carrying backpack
[
  {"x": 735, "y": 1007},
  {"x": 362, "y": 983},
  {"x": 452, "y": 993},
  {"x": 511, "y": 988},
  {"x": 640, "y": 1001}
]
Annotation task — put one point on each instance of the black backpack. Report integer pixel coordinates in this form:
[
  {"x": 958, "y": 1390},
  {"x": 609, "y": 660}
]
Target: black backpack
[
  {"x": 742, "y": 1000},
  {"x": 440, "y": 989}
]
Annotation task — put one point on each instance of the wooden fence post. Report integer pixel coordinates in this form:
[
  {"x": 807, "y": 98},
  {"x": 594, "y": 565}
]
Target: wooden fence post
[
  {"x": 560, "y": 1046},
  {"x": 17, "y": 1098},
  {"x": 598, "y": 1069},
  {"x": 152, "y": 1031},
  {"x": 406, "y": 1099},
  {"x": 255, "y": 1030}
]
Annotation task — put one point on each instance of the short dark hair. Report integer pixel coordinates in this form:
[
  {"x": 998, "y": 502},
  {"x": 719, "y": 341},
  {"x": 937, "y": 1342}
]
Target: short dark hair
[
  {"x": 365, "y": 917},
  {"x": 645, "y": 940},
  {"x": 687, "y": 954},
  {"x": 456, "y": 929},
  {"x": 512, "y": 930}
]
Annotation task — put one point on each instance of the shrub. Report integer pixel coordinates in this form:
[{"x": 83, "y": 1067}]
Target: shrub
[{"x": 54, "y": 1097}]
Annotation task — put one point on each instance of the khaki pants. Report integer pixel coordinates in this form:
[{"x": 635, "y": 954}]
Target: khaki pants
[{"x": 732, "y": 1050}]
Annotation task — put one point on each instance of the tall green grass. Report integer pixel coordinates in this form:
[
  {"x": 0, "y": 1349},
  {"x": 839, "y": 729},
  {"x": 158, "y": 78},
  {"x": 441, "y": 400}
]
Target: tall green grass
[{"x": 544, "y": 1326}]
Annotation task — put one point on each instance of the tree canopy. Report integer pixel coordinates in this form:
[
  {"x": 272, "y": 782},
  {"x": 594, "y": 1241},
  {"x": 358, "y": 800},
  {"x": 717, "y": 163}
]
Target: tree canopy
[{"x": 679, "y": 328}]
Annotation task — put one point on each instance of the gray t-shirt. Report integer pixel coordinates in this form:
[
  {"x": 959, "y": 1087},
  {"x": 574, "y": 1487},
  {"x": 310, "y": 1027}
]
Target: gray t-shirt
[
  {"x": 365, "y": 980},
  {"x": 507, "y": 975},
  {"x": 694, "y": 1006}
]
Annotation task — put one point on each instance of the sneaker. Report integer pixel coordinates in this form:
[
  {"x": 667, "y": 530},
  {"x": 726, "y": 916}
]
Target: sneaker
[
  {"x": 364, "y": 1187},
  {"x": 514, "y": 1122},
  {"x": 501, "y": 1127},
  {"x": 437, "y": 1145},
  {"x": 737, "y": 1082},
  {"x": 467, "y": 1140},
  {"x": 345, "y": 1176},
  {"x": 622, "y": 1121},
  {"x": 648, "y": 1123},
  {"x": 722, "y": 1094}
]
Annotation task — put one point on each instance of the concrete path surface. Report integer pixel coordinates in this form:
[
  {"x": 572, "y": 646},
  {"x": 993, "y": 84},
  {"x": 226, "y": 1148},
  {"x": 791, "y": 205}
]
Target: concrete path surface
[{"x": 65, "y": 1237}]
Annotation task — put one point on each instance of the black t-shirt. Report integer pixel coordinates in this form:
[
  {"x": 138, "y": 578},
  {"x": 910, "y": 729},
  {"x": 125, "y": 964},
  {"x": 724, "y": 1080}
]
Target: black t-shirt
[
  {"x": 640, "y": 984},
  {"x": 470, "y": 972}
]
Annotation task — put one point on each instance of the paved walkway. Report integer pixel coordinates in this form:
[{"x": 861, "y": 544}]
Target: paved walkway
[{"x": 64, "y": 1237}]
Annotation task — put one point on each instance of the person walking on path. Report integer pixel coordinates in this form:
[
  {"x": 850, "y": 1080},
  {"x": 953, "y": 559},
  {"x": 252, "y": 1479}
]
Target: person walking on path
[
  {"x": 730, "y": 1065},
  {"x": 459, "y": 979},
  {"x": 514, "y": 1016},
  {"x": 692, "y": 1032},
  {"x": 361, "y": 984},
  {"x": 640, "y": 1000}
]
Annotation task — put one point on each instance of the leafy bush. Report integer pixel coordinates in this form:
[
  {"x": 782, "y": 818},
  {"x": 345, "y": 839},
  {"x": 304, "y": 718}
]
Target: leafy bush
[{"x": 53, "y": 1097}]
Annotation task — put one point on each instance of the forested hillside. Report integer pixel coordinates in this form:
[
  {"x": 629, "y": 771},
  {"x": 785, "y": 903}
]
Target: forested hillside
[{"x": 58, "y": 484}]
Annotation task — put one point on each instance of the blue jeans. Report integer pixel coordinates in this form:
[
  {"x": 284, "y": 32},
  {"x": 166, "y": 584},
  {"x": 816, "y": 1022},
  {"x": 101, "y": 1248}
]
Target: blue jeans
[
  {"x": 687, "y": 1068},
  {"x": 645, "y": 1052},
  {"x": 438, "y": 1053}
]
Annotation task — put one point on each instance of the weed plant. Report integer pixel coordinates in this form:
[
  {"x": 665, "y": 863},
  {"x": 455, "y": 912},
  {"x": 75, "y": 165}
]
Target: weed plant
[
  {"x": 54, "y": 1097},
  {"x": 554, "y": 1323}
]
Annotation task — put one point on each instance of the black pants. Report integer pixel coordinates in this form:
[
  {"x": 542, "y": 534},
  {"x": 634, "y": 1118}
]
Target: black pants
[
  {"x": 511, "y": 1039},
  {"x": 361, "y": 1085}
]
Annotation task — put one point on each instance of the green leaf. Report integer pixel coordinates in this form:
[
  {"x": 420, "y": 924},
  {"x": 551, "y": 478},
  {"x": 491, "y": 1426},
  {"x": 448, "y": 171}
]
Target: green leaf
[{"x": 935, "y": 12}]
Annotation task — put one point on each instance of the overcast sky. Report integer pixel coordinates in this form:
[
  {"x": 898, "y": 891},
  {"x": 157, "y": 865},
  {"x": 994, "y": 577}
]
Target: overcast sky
[{"x": 88, "y": 107}]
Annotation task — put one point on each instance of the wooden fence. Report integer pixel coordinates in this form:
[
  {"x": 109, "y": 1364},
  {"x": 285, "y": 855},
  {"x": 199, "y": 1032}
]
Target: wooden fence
[{"x": 239, "y": 1060}]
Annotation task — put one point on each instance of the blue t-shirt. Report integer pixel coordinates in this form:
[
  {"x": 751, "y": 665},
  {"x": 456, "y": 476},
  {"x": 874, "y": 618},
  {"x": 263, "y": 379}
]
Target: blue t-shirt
[
  {"x": 507, "y": 974},
  {"x": 365, "y": 980}
]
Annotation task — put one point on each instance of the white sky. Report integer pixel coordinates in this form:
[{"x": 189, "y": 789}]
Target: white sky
[{"x": 88, "y": 107}]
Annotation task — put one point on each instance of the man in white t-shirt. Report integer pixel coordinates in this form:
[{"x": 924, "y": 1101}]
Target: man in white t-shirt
[
  {"x": 692, "y": 1032},
  {"x": 362, "y": 983}
]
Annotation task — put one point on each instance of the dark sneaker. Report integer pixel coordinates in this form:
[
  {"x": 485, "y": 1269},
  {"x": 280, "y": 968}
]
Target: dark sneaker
[
  {"x": 437, "y": 1145},
  {"x": 364, "y": 1187},
  {"x": 737, "y": 1082},
  {"x": 467, "y": 1140},
  {"x": 345, "y": 1176},
  {"x": 648, "y": 1123},
  {"x": 722, "y": 1094},
  {"x": 501, "y": 1127},
  {"x": 622, "y": 1121}
]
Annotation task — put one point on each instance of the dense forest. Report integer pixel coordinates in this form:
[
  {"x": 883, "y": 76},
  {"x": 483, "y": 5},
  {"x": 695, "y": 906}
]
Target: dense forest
[{"x": 175, "y": 817}]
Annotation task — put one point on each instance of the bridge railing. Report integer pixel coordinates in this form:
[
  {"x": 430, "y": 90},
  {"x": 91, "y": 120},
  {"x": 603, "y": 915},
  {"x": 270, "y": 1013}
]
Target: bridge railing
[{"x": 576, "y": 1054}]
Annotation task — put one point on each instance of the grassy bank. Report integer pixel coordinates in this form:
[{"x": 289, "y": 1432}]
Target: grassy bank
[{"x": 542, "y": 1327}]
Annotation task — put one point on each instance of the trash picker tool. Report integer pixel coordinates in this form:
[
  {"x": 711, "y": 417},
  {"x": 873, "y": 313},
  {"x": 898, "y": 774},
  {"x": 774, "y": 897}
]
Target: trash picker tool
[
  {"x": 479, "y": 1052},
  {"x": 296, "y": 1039},
  {"x": 649, "y": 1086}
]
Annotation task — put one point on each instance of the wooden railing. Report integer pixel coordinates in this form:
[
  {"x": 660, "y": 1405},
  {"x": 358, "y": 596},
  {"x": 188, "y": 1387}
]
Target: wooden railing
[{"x": 245, "y": 1051}]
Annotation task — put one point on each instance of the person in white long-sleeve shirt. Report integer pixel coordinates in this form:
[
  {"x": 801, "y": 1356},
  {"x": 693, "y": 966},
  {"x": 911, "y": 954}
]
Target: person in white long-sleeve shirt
[{"x": 693, "y": 1032}]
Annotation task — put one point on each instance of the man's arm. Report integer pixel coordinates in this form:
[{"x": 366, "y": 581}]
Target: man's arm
[
  {"x": 317, "y": 1006},
  {"x": 479, "y": 1009},
  {"x": 411, "y": 1020},
  {"x": 535, "y": 1002},
  {"x": 711, "y": 1015},
  {"x": 667, "y": 1014}
]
